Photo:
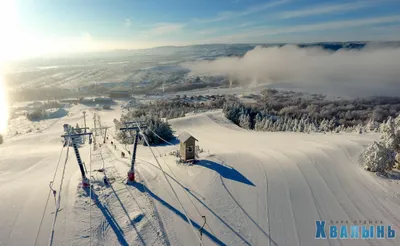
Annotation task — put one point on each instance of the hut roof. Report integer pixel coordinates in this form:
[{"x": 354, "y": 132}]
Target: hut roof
[{"x": 184, "y": 136}]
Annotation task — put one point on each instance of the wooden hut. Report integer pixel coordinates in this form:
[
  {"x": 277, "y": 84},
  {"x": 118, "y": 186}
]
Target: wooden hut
[{"x": 187, "y": 146}]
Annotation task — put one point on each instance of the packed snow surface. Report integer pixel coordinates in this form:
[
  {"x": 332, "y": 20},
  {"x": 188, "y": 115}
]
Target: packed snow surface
[{"x": 254, "y": 188}]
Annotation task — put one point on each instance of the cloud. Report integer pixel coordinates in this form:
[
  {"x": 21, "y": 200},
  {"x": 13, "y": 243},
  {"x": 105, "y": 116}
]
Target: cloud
[
  {"x": 226, "y": 15},
  {"x": 127, "y": 22},
  {"x": 327, "y": 9},
  {"x": 324, "y": 26},
  {"x": 336, "y": 25},
  {"x": 370, "y": 71},
  {"x": 246, "y": 24},
  {"x": 207, "y": 31},
  {"x": 164, "y": 28}
]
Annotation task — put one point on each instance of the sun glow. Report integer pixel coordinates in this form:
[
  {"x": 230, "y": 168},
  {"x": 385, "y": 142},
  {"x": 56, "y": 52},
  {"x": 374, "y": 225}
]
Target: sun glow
[
  {"x": 8, "y": 33},
  {"x": 3, "y": 106},
  {"x": 9, "y": 30}
]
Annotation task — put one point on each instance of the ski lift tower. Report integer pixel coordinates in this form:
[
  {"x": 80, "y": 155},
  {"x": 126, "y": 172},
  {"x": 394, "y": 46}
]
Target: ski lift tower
[
  {"x": 137, "y": 128},
  {"x": 105, "y": 133},
  {"x": 73, "y": 137}
]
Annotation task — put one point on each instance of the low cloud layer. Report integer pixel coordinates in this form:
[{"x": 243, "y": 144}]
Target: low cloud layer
[{"x": 366, "y": 72}]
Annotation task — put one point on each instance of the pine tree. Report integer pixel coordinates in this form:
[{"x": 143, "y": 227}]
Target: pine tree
[
  {"x": 331, "y": 125},
  {"x": 397, "y": 122},
  {"x": 391, "y": 136},
  {"x": 279, "y": 125},
  {"x": 372, "y": 126},
  {"x": 284, "y": 126},
  {"x": 295, "y": 125},
  {"x": 289, "y": 125},
  {"x": 300, "y": 126},
  {"x": 323, "y": 126},
  {"x": 267, "y": 125},
  {"x": 378, "y": 158},
  {"x": 78, "y": 129},
  {"x": 244, "y": 121},
  {"x": 259, "y": 123}
]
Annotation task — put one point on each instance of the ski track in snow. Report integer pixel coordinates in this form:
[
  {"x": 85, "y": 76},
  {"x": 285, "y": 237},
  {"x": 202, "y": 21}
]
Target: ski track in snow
[
  {"x": 315, "y": 201},
  {"x": 255, "y": 188}
]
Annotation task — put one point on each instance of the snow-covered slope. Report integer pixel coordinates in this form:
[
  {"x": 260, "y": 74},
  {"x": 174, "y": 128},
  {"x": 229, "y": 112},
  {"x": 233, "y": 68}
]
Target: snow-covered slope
[
  {"x": 253, "y": 188},
  {"x": 270, "y": 188}
]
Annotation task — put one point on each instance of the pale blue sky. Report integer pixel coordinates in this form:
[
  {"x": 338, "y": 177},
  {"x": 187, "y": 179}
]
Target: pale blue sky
[{"x": 48, "y": 26}]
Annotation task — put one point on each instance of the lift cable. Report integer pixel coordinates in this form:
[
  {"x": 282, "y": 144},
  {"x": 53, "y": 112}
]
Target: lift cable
[
  {"x": 169, "y": 183},
  {"x": 48, "y": 196},
  {"x": 185, "y": 189},
  {"x": 59, "y": 198},
  {"x": 90, "y": 195}
]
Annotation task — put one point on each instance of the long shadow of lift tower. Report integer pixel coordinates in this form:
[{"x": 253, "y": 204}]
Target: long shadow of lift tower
[
  {"x": 72, "y": 137},
  {"x": 128, "y": 127}
]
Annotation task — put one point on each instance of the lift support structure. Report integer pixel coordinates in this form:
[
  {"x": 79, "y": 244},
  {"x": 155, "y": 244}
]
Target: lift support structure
[
  {"x": 73, "y": 137},
  {"x": 137, "y": 128}
]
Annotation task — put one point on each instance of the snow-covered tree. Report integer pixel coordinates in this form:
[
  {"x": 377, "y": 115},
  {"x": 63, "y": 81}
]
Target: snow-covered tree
[
  {"x": 391, "y": 135},
  {"x": 323, "y": 126},
  {"x": 372, "y": 126},
  {"x": 331, "y": 125},
  {"x": 295, "y": 125},
  {"x": 312, "y": 127},
  {"x": 378, "y": 158},
  {"x": 77, "y": 129},
  {"x": 244, "y": 121},
  {"x": 383, "y": 156},
  {"x": 259, "y": 123},
  {"x": 397, "y": 122},
  {"x": 284, "y": 127},
  {"x": 267, "y": 125},
  {"x": 397, "y": 160},
  {"x": 300, "y": 126},
  {"x": 289, "y": 125}
]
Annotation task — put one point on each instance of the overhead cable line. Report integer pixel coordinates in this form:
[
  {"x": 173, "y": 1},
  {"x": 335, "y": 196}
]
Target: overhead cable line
[
  {"x": 59, "y": 198},
  {"x": 169, "y": 183},
  {"x": 48, "y": 196},
  {"x": 90, "y": 196},
  {"x": 184, "y": 189}
]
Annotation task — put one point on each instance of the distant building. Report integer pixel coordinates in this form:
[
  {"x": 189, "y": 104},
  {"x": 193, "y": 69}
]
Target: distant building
[
  {"x": 187, "y": 146},
  {"x": 119, "y": 94}
]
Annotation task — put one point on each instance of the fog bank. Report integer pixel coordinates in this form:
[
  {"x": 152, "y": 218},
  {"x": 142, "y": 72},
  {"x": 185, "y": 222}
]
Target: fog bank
[{"x": 365, "y": 72}]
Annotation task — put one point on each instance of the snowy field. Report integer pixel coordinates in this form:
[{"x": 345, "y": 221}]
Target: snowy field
[{"x": 254, "y": 188}]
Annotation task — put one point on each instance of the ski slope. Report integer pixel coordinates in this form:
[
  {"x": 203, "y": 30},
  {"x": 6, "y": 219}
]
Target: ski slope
[
  {"x": 270, "y": 188},
  {"x": 254, "y": 188}
]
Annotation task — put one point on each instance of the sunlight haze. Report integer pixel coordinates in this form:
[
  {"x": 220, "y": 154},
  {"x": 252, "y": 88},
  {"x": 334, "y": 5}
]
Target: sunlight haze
[
  {"x": 200, "y": 122},
  {"x": 37, "y": 28},
  {"x": 3, "y": 105}
]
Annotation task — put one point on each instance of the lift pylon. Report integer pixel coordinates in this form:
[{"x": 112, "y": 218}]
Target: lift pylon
[
  {"x": 139, "y": 125},
  {"x": 72, "y": 138}
]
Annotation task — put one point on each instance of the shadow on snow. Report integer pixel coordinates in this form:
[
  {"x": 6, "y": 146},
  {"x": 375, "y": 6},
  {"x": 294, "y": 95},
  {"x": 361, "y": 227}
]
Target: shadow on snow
[
  {"x": 132, "y": 221},
  {"x": 392, "y": 174},
  {"x": 225, "y": 171},
  {"x": 142, "y": 188},
  {"x": 109, "y": 218}
]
